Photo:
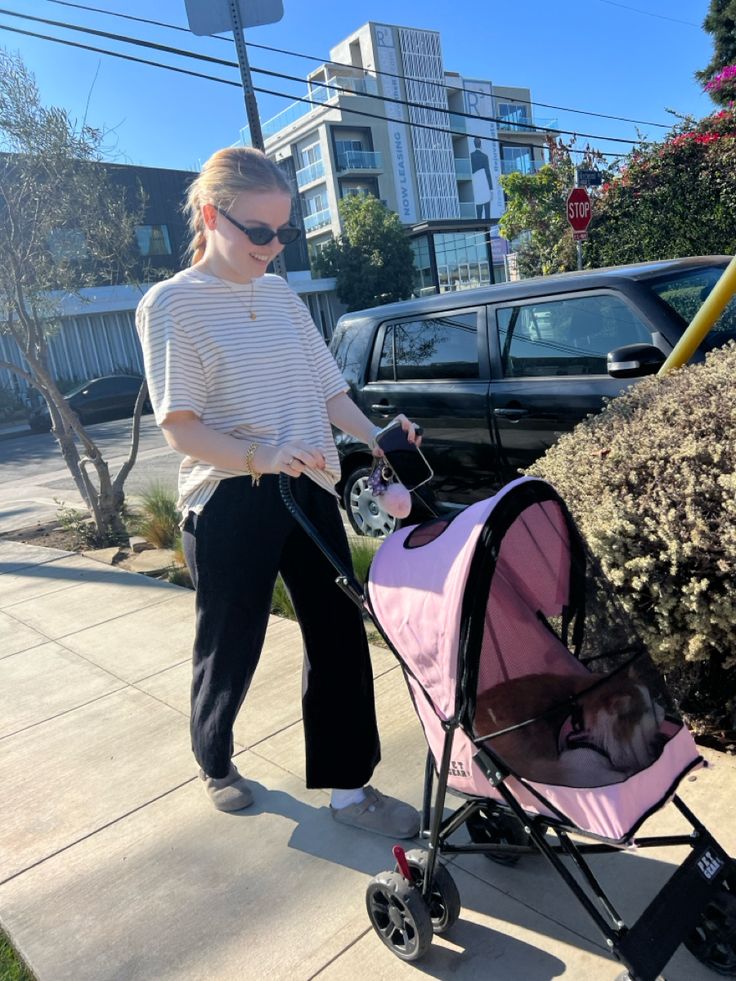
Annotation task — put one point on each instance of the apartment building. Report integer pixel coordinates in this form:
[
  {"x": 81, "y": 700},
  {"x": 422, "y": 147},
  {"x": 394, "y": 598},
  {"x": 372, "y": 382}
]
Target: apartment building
[{"x": 386, "y": 118}]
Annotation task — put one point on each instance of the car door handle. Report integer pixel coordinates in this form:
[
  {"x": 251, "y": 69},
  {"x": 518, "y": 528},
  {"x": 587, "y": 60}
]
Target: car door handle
[
  {"x": 383, "y": 407},
  {"x": 513, "y": 415}
]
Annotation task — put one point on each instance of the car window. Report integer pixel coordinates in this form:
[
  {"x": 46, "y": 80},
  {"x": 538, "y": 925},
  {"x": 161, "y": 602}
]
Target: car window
[
  {"x": 430, "y": 348},
  {"x": 685, "y": 293},
  {"x": 569, "y": 336}
]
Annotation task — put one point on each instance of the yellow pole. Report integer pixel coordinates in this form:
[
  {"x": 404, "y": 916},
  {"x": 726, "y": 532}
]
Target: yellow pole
[{"x": 703, "y": 320}]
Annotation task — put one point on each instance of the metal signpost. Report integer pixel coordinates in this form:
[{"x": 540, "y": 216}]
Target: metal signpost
[
  {"x": 578, "y": 214},
  {"x": 218, "y": 16}
]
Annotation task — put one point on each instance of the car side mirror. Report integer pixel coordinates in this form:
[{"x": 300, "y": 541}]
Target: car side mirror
[{"x": 634, "y": 361}]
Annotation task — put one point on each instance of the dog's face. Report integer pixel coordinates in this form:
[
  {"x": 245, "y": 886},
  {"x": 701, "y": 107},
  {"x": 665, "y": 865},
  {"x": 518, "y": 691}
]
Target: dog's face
[{"x": 624, "y": 721}]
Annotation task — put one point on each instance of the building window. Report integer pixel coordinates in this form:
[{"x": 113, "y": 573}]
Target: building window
[
  {"x": 311, "y": 154},
  {"x": 153, "y": 239},
  {"x": 358, "y": 185},
  {"x": 462, "y": 260},
  {"x": 518, "y": 160},
  {"x": 514, "y": 116},
  {"x": 67, "y": 244},
  {"x": 423, "y": 279}
]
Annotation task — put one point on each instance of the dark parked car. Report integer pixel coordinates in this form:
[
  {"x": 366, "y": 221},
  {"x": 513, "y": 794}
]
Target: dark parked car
[
  {"x": 495, "y": 375},
  {"x": 109, "y": 397}
]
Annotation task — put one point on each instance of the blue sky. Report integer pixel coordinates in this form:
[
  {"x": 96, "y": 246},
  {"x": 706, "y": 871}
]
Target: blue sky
[{"x": 632, "y": 58}]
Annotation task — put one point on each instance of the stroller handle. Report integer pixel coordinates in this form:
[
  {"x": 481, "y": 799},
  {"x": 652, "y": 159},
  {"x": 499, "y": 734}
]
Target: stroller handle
[{"x": 346, "y": 579}]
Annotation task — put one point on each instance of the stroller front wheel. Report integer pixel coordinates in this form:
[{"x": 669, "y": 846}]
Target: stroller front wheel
[
  {"x": 399, "y": 915},
  {"x": 444, "y": 899}
]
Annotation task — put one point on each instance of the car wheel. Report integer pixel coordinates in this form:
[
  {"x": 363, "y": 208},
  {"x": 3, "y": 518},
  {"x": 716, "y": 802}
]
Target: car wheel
[
  {"x": 365, "y": 514},
  {"x": 40, "y": 425}
]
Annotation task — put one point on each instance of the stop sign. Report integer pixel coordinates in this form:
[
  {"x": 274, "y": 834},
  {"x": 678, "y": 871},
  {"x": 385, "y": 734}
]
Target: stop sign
[{"x": 578, "y": 209}]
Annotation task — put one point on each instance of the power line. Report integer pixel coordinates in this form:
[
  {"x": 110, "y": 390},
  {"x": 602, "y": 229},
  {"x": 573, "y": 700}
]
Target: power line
[
  {"x": 341, "y": 64},
  {"x": 182, "y": 52},
  {"x": 281, "y": 95},
  {"x": 649, "y": 13}
]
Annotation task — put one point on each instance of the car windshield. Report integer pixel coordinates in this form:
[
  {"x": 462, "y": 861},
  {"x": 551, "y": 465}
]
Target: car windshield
[{"x": 684, "y": 292}]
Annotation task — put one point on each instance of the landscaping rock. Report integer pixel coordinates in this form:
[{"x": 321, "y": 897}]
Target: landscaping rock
[
  {"x": 140, "y": 544},
  {"x": 109, "y": 556},
  {"x": 152, "y": 562}
]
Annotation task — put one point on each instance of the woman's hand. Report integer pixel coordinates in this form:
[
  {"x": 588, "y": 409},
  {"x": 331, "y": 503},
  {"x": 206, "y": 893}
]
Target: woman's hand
[{"x": 294, "y": 458}]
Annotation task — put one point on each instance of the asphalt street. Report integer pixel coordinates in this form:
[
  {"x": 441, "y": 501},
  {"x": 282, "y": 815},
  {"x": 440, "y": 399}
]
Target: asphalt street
[{"x": 33, "y": 475}]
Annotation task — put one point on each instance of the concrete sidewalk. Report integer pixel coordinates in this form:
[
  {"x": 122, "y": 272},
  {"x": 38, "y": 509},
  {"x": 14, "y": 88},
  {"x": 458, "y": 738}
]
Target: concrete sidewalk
[{"x": 114, "y": 867}]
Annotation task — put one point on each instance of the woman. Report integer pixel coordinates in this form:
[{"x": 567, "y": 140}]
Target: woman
[{"x": 244, "y": 388}]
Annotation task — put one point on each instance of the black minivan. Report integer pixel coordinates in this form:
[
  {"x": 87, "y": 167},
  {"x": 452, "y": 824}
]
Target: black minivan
[{"x": 496, "y": 374}]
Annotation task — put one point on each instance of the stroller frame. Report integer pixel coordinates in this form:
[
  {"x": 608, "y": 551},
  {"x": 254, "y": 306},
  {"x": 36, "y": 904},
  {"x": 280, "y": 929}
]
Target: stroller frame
[{"x": 644, "y": 947}]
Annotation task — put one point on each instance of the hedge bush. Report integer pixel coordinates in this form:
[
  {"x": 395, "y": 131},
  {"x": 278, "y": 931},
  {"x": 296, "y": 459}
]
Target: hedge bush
[{"x": 651, "y": 482}]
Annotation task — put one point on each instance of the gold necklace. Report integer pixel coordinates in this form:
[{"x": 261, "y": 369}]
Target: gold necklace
[{"x": 253, "y": 314}]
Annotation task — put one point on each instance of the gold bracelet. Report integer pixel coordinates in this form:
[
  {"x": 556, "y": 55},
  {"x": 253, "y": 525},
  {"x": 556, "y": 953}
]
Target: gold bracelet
[{"x": 255, "y": 477}]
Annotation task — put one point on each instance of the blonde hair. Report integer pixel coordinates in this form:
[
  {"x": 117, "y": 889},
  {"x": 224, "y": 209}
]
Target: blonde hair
[{"x": 223, "y": 177}]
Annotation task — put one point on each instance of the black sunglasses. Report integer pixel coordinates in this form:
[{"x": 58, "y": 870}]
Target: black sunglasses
[{"x": 262, "y": 235}]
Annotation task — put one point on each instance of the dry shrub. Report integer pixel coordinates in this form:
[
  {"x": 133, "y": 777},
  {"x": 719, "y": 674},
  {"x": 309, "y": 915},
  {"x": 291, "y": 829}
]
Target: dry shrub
[{"x": 651, "y": 482}]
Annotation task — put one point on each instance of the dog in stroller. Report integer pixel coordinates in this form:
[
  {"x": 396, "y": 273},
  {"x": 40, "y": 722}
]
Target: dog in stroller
[{"x": 545, "y": 717}]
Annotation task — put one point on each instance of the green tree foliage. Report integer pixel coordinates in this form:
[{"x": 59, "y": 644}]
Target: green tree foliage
[
  {"x": 720, "y": 22},
  {"x": 671, "y": 199},
  {"x": 535, "y": 213},
  {"x": 372, "y": 261},
  {"x": 651, "y": 482},
  {"x": 62, "y": 227}
]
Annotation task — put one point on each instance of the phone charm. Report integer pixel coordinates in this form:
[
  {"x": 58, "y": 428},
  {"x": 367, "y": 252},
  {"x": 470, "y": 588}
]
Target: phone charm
[{"x": 395, "y": 498}]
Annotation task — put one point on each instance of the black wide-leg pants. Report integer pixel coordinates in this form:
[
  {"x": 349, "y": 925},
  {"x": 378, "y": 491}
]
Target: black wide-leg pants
[{"x": 234, "y": 549}]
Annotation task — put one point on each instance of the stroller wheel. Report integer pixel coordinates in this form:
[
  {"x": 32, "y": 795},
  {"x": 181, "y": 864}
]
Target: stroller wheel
[
  {"x": 489, "y": 826},
  {"x": 713, "y": 941},
  {"x": 444, "y": 899},
  {"x": 399, "y": 915}
]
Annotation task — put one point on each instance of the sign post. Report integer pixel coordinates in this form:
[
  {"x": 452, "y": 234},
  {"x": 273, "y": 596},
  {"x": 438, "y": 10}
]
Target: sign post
[
  {"x": 578, "y": 214},
  {"x": 217, "y": 16}
]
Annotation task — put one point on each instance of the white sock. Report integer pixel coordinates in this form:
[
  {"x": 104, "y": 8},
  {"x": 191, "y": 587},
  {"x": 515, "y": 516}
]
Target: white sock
[{"x": 344, "y": 798}]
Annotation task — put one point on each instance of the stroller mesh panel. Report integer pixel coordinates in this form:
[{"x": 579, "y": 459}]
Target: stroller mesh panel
[{"x": 570, "y": 724}]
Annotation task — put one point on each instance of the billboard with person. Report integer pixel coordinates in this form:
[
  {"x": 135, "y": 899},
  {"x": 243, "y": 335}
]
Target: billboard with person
[{"x": 483, "y": 150}]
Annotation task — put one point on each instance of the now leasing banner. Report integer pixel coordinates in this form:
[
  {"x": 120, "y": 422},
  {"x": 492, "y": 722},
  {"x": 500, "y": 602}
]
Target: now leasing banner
[{"x": 398, "y": 132}]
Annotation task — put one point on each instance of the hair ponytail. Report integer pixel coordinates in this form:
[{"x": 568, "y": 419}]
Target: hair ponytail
[{"x": 223, "y": 177}]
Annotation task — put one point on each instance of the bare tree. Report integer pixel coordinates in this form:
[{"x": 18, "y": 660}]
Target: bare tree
[{"x": 63, "y": 227}]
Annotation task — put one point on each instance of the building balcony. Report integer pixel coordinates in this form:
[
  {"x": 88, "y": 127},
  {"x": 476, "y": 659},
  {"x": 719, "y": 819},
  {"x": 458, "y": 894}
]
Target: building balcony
[
  {"x": 521, "y": 166},
  {"x": 359, "y": 160},
  {"x": 523, "y": 124},
  {"x": 320, "y": 93},
  {"x": 468, "y": 209},
  {"x": 311, "y": 172},
  {"x": 458, "y": 124},
  {"x": 317, "y": 220},
  {"x": 463, "y": 170}
]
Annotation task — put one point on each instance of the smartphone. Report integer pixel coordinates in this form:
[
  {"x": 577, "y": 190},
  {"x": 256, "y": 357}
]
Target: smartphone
[{"x": 405, "y": 459}]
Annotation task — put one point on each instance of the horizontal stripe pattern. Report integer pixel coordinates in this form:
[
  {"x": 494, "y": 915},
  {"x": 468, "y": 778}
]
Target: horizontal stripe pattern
[{"x": 265, "y": 380}]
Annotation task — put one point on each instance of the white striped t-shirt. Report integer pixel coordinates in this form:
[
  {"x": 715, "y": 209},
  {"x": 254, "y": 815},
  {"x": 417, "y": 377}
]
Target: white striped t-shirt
[{"x": 265, "y": 380}]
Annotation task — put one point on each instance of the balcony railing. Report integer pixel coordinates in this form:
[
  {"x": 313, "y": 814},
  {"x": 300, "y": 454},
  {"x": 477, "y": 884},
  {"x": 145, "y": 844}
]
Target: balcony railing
[
  {"x": 317, "y": 93},
  {"x": 468, "y": 209},
  {"x": 458, "y": 124},
  {"x": 523, "y": 124},
  {"x": 311, "y": 172},
  {"x": 359, "y": 160},
  {"x": 463, "y": 170},
  {"x": 521, "y": 166},
  {"x": 317, "y": 220}
]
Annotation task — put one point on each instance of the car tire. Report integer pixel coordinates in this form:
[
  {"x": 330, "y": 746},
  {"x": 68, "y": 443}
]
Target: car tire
[
  {"x": 40, "y": 426},
  {"x": 364, "y": 512}
]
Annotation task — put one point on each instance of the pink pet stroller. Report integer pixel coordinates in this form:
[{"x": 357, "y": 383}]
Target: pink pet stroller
[{"x": 544, "y": 715}]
